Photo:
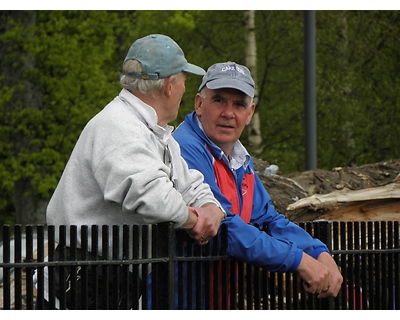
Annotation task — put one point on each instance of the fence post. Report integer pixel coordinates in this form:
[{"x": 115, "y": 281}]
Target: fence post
[{"x": 163, "y": 295}]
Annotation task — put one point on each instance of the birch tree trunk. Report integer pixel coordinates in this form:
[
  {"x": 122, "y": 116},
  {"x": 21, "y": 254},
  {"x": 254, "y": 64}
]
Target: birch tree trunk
[
  {"x": 255, "y": 138},
  {"x": 347, "y": 128}
]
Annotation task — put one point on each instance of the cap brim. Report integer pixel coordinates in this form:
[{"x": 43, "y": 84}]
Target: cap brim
[
  {"x": 232, "y": 84},
  {"x": 191, "y": 68}
]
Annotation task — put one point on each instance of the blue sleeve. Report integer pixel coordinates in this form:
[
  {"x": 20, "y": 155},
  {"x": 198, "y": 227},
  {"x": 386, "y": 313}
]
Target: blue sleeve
[
  {"x": 274, "y": 250},
  {"x": 279, "y": 226}
]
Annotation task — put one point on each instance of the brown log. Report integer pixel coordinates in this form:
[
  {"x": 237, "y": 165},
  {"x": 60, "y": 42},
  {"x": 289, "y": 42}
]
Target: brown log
[{"x": 285, "y": 190}]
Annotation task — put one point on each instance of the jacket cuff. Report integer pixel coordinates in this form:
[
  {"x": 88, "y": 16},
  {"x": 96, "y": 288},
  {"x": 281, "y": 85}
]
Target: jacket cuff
[
  {"x": 297, "y": 259},
  {"x": 317, "y": 251}
]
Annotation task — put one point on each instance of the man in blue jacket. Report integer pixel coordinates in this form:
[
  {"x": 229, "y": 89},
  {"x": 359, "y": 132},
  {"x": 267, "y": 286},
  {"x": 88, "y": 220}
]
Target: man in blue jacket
[{"x": 209, "y": 141}]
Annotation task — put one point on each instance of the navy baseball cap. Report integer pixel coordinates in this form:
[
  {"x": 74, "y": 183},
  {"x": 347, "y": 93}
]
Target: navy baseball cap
[
  {"x": 229, "y": 75},
  {"x": 160, "y": 57}
]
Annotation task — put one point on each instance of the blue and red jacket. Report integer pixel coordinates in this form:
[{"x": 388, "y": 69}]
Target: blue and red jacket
[{"x": 247, "y": 204}]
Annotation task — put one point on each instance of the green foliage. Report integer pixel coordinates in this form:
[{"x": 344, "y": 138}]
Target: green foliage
[
  {"x": 358, "y": 54},
  {"x": 59, "y": 68},
  {"x": 280, "y": 47}
]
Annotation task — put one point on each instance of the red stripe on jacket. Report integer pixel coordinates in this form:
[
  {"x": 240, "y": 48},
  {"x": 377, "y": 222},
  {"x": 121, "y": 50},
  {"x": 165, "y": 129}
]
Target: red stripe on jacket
[{"x": 226, "y": 183}]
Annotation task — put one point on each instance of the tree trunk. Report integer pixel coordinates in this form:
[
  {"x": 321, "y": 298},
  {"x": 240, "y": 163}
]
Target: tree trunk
[{"x": 255, "y": 139}]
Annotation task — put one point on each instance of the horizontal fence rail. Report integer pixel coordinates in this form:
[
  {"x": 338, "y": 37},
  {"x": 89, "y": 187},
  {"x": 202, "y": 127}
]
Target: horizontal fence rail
[{"x": 158, "y": 267}]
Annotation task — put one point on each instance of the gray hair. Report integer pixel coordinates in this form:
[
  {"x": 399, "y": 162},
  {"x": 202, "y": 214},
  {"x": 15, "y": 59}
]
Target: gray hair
[{"x": 139, "y": 85}]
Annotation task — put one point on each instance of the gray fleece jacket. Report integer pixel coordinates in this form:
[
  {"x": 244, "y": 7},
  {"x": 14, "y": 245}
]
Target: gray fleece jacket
[{"x": 125, "y": 169}]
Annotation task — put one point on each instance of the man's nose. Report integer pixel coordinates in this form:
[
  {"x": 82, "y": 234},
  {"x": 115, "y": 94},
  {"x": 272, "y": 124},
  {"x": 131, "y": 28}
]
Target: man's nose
[{"x": 228, "y": 111}]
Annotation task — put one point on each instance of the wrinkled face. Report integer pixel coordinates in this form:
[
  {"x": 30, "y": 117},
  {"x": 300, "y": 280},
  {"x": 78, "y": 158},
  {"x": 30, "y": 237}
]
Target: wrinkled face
[{"x": 224, "y": 113}]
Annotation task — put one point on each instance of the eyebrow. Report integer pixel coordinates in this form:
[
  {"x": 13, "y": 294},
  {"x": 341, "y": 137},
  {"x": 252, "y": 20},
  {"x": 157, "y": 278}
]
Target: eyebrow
[
  {"x": 240, "y": 100},
  {"x": 217, "y": 95}
]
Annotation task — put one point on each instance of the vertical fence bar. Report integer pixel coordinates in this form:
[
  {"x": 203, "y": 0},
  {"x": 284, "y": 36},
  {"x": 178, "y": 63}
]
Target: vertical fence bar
[
  {"x": 378, "y": 267},
  {"x": 158, "y": 287},
  {"x": 257, "y": 286},
  {"x": 51, "y": 244},
  {"x": 29, "y": 270},
  {"x": 303, "y": 294},
  {"x": 84, "y": 301},
  {"x": 40, "y": 270},
  {"x": 183, "y": 274},
  {"x": 288, "y": 291},
  {"x": 61, "y": 269},
  {"x": 357, "y": 266},
  {"x": 191, "y": 273},
  {"x": 115, "y": 269},
  {"x": 248, "y": 286},
  {"x": 273, "y": 290},
  {"x": 105, "y": 245},
  {"x": 216, "y": 273},
  {"x": 138, "y": 284},
  {"x": 164, "y": 273},
  {"x": 228, "y": 286},
  {"x": 147, "y": 296},
  {"x": 127, "y": 280},
  {"x": 95, "y": 268},
  {"x": 72, "y": 299},
  {"x": 313, "y": 302},
  {"x": 6, "y": 270},
  {"x": 343, "y": 263},
  {"x": 390, "y": 266},
  {"x": 233, "y": 284},
  {"x": 201, "y": 294},
  {"x": 350, "y": 270},
  {"x": 296, "y": 292},
  {"x": 371, "y": 266},
  {"x": 264, "y": 294},
  {"x": 384, "y": 268},
  {"x": 337, "y": 258},
  {"x": 18, "y": 282},
  {"x": 280, "y": 288},
  {"x": 241, "y": 288},
  {"x": 364, "y": 265},
  {"x": 207, "y": 277}
]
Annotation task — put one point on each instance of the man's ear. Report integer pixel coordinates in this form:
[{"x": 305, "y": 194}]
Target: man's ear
[
  {"x": 168, "y": 85},
  {"x": 250, "y": 116},
  {"x": 198, "y": 100}
]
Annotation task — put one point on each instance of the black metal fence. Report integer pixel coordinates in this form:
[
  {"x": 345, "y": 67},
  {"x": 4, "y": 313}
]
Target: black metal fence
[{"x": 157, "y": 267}]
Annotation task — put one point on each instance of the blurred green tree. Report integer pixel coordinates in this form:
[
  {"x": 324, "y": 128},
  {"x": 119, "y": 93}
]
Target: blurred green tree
[{"x": 59, "y": 68}]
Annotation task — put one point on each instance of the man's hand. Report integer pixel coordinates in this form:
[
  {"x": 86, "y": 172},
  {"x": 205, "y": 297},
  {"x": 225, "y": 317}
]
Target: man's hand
[
  {"x": 320, "y": 276},
  {"x": 208, "y": 223},
  {"x": 314, "y": 274},
  {"x": 335, "y": 278}
]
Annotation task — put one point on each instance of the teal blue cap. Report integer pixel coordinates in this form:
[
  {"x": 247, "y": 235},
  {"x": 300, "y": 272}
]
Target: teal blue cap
[{"x": 160, "y": 57}]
